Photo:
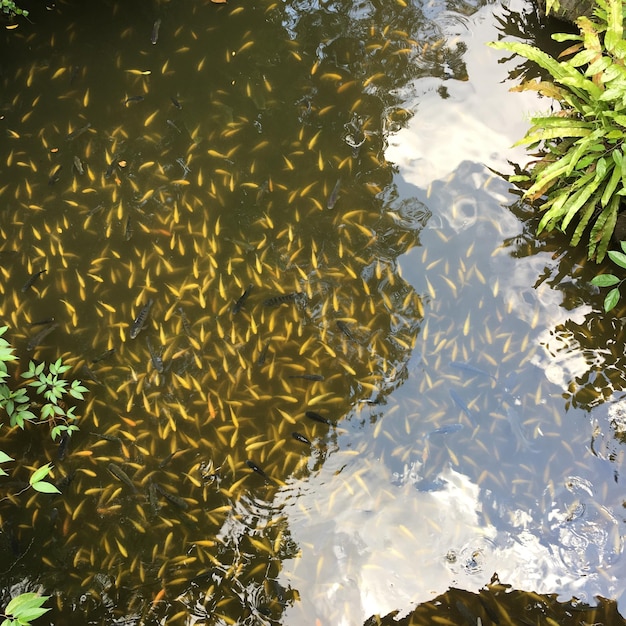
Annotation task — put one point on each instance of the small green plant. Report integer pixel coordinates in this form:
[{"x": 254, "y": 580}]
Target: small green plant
[
  {"x": 23, "y": 609},
  {"x": 9, "y": 7},
  {"x": 46, "y": 381},
  {"x": 581, "y": 173},
  {"x": 611, "y": 280}
]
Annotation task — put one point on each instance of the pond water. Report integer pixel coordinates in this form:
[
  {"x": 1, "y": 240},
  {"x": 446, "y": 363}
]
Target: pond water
[{"x": 361, "y": 379}]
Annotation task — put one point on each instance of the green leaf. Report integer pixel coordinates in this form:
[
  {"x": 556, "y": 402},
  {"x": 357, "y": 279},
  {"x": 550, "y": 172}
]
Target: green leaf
[
  {"x": 4, "y": 457},
  {"x": 615, "y": 27},
  {"x": 623, "y": 246},
  {"x": 605, "y": 280},
  {"x": 619, "y": 258},
  {"x": 47, "y": 411},
  {"x": 25, "y": 600},
  {"x": 44, "y": 487},
  {"x": 609, "y": 190},
  {"x": 612, "y": 298},
  {"x": 554, "y": 133},
  {"x": 566, "y": 37},
  {"x": 584, "y": 220},
  {"x": 27, "y": 415},
  {"x": 574, "y": 204},
  {"x": 598, "y": 66},
  {"x": 602, "y": 230},
  {"x": 620, "y": 118},
  {"x": 40, "y": 474},
  {"x": 29, "y": 615}
]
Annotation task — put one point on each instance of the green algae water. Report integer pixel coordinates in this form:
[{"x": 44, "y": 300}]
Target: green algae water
[{"x": 331, "y": 371}]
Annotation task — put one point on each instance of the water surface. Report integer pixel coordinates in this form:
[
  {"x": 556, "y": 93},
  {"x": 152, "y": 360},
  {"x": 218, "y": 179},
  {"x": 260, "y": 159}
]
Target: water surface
[{"x": 435, "y": 362}]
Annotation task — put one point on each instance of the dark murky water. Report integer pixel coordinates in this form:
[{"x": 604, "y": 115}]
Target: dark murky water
[{"x": 412, "y": 394}]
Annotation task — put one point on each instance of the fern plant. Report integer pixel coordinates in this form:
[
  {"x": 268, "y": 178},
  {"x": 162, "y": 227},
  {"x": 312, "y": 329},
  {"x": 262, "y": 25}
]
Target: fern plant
[{"x": 580, "y": 176}]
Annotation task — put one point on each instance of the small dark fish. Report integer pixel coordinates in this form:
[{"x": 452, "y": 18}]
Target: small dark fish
[
  {"x": 42, "y": 322},
  {"x": 263, "y": 354},
  {"x": 74, "y": 74},
  {"x": 111, "y": 166},
  {"x": 153, "y": 499},
  {"x": 343, "y": 327},
  {"x": 445, "y": 430},
  {"x": 173, "y": 125},
  {"x": 176, "y": 103},
  {"x": 312, "y": 415},
  {"x": 31, "y": 280},
  {"x": 95, "y": 210},
  {"x": 140, "y": 320},
  {"x": 132, "y": 99},
  {"x": 64, "y": 443},
  {"x": 54, "y": 177},
  {"x": 522, "y": 441},
  {"x": 168, "y": 458},
  {"x": 40, "y": 336},
  {"x": 283, "y": 298},
  {"x": 334, "y": 195},
  {"x": 459, "y": 402},
  {"x": 185, "y": 322},
  {"x": 468, "y": 616},
  {"x": 128, "y": 229},
  {"x": 78, "y": 132},
  {"x": 467, "y": 367},
  {"x": 65, "y": 481},
  {"x": 104, "y": 355},
  {"x": 242, "y": 299},
  {"x": 87, "y": 373},
  {"x": 157, "y": 361},
  {"x": 78, "y": 166},
  {"x": 121, "y": 475},
  {"x": 255, "y": 468},
  {"x": 154, "y": 37},
  {"x": 300, "y": 438},
  {"x": 175, "y": 500},
  {"x": 307, "y": 376},
  {"x": 106, "y": 437}
]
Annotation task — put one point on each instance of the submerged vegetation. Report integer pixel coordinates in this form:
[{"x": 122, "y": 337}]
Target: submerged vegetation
[{"x": 580, "y": 176}]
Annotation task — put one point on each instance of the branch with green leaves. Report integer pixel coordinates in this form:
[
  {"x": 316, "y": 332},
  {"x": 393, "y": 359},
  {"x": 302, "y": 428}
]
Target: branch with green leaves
[
  {"x": 10, "y": 8},
  {"x": 44, "y": 381},
  {"x": 611, "y": 280},
  {"x": 23, "y": 609}
]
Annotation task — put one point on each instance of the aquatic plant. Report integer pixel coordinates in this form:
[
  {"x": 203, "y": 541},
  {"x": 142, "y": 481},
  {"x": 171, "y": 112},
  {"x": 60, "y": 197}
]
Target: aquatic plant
[{"x": 581, "y": 171}]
